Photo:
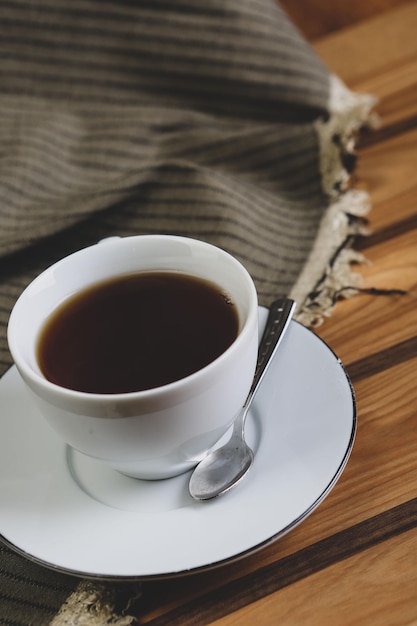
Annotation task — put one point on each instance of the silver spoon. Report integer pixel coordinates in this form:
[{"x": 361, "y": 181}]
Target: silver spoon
[{"x": 223, "y": 468}]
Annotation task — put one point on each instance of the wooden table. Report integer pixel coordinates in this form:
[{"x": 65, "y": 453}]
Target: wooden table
[{"x": 354, "y": 560}]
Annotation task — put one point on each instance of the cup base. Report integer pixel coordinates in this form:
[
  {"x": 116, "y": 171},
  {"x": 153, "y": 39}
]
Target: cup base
[{"x": 119, "y": 491}]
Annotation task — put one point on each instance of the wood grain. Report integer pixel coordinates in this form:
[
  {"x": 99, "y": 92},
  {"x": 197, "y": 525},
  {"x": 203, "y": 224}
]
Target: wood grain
[
  {"x": 317, "y": 18},
  {"x": 387, "y": 170},
  {"x": 340, "y": 594},
  {"x": 372, "y": 47}
]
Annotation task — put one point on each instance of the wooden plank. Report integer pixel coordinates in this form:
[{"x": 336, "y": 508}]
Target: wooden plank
[
  {"x": 373, "y": 588},
  {"x": 388, "y": 170},
  {"x": 397, "y": 92},
  {"x": 317, "y": 18},
  {"x": 389, "y": 216},
  {"x": 371, "y": 47}
]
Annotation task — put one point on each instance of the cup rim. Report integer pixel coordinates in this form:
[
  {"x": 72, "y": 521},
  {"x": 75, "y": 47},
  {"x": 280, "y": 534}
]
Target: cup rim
[{"x": 146, "y": 394}]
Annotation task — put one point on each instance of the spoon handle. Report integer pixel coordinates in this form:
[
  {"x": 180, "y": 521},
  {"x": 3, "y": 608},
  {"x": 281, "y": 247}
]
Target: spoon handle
[{"x": 280, "y": 314}]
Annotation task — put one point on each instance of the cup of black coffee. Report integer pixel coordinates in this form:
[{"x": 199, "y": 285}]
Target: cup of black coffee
[{"x": 139, "y": 351}]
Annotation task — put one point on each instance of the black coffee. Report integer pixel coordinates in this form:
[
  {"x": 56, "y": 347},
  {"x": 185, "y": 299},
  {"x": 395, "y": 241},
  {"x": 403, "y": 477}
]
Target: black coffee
[{"x": 136, "y": 332}]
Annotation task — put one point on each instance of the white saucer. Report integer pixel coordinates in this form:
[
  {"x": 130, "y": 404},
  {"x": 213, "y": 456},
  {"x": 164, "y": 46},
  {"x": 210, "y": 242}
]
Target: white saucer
[{"x": 72, "y": 514}]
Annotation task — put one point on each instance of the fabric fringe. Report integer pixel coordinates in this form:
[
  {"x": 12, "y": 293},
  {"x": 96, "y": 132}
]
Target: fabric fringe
[
  {"x": 345, "y": 218},
  {"x": 98, "y": 604}
]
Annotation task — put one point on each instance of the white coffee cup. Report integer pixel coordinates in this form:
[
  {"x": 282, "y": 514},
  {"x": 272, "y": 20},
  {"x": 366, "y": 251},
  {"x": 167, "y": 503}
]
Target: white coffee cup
[{"x": 159, "y": 432}]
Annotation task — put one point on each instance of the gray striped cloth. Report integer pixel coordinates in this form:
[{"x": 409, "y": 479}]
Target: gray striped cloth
[{"x": 207, "y": 118}]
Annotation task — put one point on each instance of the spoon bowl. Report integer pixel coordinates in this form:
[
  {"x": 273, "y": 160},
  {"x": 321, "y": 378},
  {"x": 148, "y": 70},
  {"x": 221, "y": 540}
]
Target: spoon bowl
[{"x": 225, "y": 467}]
